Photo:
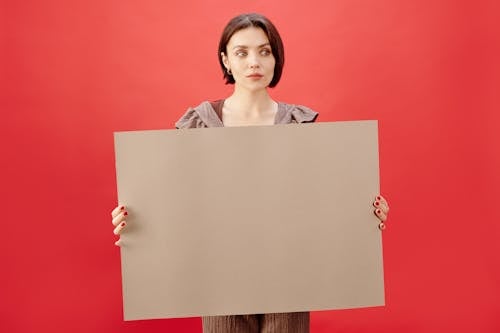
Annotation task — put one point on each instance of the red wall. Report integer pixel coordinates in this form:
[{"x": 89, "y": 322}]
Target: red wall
[{"x": 75, "y": 71}]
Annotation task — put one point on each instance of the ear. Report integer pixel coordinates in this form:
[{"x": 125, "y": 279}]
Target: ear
[{"x": 225, "y": 61}]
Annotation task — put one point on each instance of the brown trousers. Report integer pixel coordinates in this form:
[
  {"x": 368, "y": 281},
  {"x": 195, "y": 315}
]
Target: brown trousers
[{"x": 295, "y": 322}]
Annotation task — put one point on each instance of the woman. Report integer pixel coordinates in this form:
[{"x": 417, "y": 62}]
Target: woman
[{"x": 251, "y": 56}]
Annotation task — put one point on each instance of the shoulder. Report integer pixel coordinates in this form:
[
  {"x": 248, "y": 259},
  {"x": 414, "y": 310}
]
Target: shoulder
[
  {"x": 199, "y": 116},
  {"x": 293, "y": 113}
]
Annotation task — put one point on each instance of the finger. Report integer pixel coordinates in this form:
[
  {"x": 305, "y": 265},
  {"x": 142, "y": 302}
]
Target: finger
[
  {"x": 381, "y": 203},
  {"x": 382, "y": 206},
  {"x": 118, "y": 242},
  {"x": 119, "y": 218},
  {"x": 381, "y": 215},
  {"x": 382, "y": 226},
  {"x": 117, "y": 211},
  {"x": 382, "y": 200},
  {"x": 118, "y": 229}
]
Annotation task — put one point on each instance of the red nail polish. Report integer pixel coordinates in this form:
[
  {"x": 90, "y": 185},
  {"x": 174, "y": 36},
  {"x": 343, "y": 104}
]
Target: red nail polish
[
  {"x": 377, "y": 203},
  {"x": 125, "y": 214},
  {"x": 123, "y": 224},
  {"x": 378, "y": 211},
  {"x": 378, "y": 197},
  {"x": 122, "y": 207}
]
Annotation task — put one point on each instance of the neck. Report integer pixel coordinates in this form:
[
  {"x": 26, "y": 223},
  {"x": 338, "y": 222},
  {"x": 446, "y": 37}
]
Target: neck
[{"x": 249, "y": 102}]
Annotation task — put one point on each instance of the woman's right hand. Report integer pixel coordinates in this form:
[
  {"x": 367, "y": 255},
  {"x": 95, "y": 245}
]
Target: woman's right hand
[{"x": 118, "y": 216}]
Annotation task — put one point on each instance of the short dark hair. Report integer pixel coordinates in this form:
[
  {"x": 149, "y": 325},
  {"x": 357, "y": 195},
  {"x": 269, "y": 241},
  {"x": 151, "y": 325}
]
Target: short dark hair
[{"x": 244, "y": 21}]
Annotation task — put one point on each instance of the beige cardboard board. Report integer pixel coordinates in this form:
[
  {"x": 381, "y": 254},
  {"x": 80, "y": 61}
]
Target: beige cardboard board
[{"x": 246, "y": 220}]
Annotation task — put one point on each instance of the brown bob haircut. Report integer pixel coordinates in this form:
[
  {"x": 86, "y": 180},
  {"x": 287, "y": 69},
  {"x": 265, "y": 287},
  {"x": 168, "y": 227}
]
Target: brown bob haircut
[{"x": 244, "y": 21}]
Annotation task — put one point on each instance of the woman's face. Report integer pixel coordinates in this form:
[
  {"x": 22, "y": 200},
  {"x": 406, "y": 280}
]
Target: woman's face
[{"x": 250, "y": 59}]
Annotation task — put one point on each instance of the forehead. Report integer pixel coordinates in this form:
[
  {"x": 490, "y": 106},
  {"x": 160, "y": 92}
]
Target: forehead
[{"x": 249, "y": 37}]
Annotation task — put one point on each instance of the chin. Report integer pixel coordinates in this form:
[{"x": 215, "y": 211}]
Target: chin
[
  {"x": 255, "y": 89},
  {"x": 257, "y": 86}
]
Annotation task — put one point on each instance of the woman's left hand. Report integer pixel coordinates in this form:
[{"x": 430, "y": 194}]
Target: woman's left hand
[{"x": 381, "y": 210}]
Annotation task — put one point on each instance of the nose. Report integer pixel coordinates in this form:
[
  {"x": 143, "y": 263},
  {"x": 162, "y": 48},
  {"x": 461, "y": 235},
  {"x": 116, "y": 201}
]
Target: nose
[{"x": 253, "y": 60}]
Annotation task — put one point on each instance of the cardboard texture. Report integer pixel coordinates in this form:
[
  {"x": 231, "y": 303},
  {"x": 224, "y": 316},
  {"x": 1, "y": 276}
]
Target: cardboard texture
[{"x": 243, "y": 220}]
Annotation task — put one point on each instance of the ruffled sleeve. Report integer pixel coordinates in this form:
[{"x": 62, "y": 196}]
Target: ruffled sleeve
[
  {"x": 303, "y": 114},
  {"x": 290, "y": 113},
  {"x": 190, "y": 119}
]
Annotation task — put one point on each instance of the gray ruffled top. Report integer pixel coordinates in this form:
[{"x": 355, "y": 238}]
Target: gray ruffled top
[{"x": 209, "y": 114}]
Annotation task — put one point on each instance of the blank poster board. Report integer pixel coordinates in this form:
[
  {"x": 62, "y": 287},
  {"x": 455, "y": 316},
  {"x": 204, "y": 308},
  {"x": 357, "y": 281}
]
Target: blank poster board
[{"x": 243, "y": 220}]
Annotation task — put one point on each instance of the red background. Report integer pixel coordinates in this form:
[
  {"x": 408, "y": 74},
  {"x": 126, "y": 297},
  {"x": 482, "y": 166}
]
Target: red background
[{"x": 75, "y": 71}]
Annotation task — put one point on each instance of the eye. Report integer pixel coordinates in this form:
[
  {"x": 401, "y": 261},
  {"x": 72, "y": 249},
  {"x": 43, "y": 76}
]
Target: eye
[
  {"x": 240, "y": 53},
  {"x": 265, "y": 52}
]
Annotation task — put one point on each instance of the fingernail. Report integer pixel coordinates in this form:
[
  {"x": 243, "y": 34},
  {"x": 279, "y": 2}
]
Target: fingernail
[
  {"x": 381, "y": 226},
  {"x": 122, "y": 224},
  {"x": 377, "y": 203},
  {"x": 378, "y": 197},
  {"x": 125, "y": 214},
  {"x": 378, "y": 211},
  {"x": 122, "y": 207}
]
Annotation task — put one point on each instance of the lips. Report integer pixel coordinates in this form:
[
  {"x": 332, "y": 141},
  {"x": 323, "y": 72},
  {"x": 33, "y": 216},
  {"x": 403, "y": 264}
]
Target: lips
[{"x": 255, "y": 76}]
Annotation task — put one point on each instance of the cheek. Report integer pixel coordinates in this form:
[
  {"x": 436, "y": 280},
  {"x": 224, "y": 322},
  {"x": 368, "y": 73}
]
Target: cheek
[
  {"x": 272, "y": 61},
  {"x": 271, "y": 64},
  {"x": 235, "y": 63}
]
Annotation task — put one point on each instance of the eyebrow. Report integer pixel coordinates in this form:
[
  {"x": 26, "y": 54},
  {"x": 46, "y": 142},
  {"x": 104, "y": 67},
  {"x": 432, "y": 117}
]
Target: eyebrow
[{"x": 246, "y": 47}]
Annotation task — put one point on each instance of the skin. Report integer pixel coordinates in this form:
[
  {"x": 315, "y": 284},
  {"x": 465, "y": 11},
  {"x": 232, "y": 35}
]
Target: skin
[{"x": 249, "y": 58}]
